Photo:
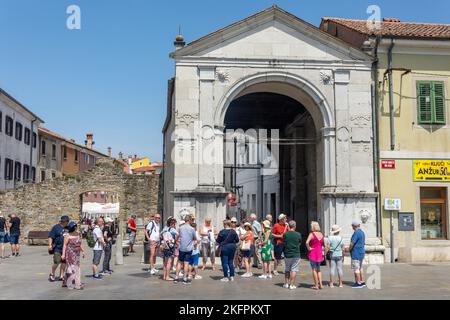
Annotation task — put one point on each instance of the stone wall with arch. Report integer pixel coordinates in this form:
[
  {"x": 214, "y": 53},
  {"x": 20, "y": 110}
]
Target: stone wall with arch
[{"x": 40, "y": 205}]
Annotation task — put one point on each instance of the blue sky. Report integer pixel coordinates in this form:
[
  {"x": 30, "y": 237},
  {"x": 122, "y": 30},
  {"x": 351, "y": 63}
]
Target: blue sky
[{"x": 110, "y": 77}]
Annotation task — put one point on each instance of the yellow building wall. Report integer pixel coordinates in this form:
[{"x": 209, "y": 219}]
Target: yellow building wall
[
  {"x": 145, "y": 162},
  {"x": 413, "y": 141}
]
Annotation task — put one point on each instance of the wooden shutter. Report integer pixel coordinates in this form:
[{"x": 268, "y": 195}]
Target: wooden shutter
[
  {"x": 424, "y": 102},
  {"x": 439, "y": 103}
]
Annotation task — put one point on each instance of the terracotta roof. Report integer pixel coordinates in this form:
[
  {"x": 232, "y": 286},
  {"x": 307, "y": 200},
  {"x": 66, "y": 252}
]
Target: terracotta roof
[
  {"x": 145, "y": 169},
  {"x": 51, "y": 133},
  {"x": 392, "y": 27}
]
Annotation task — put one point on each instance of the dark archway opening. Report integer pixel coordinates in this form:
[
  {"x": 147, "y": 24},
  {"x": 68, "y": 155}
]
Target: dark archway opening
[{"x": 279, "y": 132}]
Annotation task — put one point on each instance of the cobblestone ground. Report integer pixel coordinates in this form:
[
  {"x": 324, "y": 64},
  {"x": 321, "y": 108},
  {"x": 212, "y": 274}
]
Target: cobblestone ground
[{"x": 25, "y": 277}]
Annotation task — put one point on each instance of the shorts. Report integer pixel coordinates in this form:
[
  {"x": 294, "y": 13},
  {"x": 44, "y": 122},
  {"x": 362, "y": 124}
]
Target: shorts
[
  {"x": 14, "y": 238},
  {"x": 279, "y": 249},
  {"x": 315, "y": 265},
  {"x": 57, "y": 258},
  {"x": 2, "y": 237},
  {"x": 169, "y": 253},
  {"x": 194, "y": 260},
  {"x": 247, "y": 253},
  {"x": 292, "y": 264},
  {"x": 153, "y": 245},
  {"x": 185, "y": 256},
  {"x": 357, "y": 266},
  {"x": 132, "y": 238},
  {"x": 97, "y": 257}
]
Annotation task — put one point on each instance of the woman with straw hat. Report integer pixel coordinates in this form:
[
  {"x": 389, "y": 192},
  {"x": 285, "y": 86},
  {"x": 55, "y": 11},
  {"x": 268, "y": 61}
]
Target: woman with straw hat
[
  {"x": 335, "y": 254},
  {"x": 266, "y": 250}
]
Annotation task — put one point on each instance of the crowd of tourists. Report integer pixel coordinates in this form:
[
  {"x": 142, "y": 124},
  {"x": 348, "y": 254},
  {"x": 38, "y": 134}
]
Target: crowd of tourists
[
  {"x": 242, "y": 246},
  {"x": 65, "y": 245},
  {"x": 249, "y": 244}
]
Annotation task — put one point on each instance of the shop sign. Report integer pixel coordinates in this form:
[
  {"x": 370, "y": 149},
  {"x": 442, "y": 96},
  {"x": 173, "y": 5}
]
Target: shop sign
[
  {"x": 432, "y": 170},
  {"x": 406, "y": 221},
  {"x": 388, "y": 164},
  {"x": 392, "y": 204}
]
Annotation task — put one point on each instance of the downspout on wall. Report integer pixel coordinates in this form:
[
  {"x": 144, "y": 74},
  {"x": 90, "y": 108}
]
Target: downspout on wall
[
  {"x": 376, "y": 149},
  {"x": 391, "y": 95},
  {"x": 30, "y": 177}
]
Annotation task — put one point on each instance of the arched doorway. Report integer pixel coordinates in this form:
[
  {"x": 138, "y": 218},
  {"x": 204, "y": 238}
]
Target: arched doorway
[{"x": 285, "y": 118}]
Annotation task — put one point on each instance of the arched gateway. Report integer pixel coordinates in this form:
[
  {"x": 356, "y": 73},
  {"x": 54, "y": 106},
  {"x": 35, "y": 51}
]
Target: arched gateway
[{"x": 279, "y": 113}]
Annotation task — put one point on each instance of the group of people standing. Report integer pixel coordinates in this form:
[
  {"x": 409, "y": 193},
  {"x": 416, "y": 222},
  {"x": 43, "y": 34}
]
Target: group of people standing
[
  {"x": 65, "y": 245},
  {"x": 10, "y": 233},
  {"x": 249, "y": 245}
]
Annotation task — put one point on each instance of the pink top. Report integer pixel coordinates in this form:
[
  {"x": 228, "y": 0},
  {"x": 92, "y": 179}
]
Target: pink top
[{"x": 316, "y": 253}]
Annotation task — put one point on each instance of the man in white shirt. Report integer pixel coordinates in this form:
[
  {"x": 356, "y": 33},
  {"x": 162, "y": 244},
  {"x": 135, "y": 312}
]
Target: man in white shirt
[
  {"x": 98, "y": 248},
  {"x": 153, "y": 236}
]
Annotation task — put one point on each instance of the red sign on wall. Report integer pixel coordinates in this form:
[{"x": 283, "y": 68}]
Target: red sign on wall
[{"x": 388, "y": 164}]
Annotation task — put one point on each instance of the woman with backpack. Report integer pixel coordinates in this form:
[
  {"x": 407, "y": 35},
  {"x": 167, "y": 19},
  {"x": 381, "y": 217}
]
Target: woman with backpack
[
  {"x": 335, "y": 255},
  {"x": 168, "y": 236}
]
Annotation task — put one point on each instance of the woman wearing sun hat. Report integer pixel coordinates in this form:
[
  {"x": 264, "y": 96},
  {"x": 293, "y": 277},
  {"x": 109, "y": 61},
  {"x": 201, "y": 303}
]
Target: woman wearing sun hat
[
  {"x": 266, "y": 250},
  {"x": 336, "y": 250}
]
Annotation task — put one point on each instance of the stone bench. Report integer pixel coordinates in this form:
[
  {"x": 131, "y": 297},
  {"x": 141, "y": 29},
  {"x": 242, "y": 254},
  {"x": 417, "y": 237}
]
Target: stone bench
[{"x": 37, "y": 235}]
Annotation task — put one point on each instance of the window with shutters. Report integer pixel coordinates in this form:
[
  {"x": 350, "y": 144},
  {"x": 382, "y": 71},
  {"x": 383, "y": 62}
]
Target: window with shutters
[{"x": 431, "y": 102}]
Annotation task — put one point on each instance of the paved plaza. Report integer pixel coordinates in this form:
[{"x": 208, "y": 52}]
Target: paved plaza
[{"x": 25, "y": 277}]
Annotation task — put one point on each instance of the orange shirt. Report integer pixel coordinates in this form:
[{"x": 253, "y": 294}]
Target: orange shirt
[
  {"x": 249, "y": 236},
  {"x": 279, "y": 230}
]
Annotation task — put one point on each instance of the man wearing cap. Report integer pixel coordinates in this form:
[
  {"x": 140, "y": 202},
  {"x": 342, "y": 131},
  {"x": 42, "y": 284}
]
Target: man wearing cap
[
  {"x": 55, "y": 247},
  {"x": 357, "y": 251},
  {"x": 279, "y": 229}
]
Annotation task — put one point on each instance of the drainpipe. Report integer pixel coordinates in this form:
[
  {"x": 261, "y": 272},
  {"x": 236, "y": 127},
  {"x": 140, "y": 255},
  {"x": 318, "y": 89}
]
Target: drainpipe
[
  {"x": 31, "y": 149},
  {"x": 391, "y": 95},
  {"x": 376, "y": 149}
]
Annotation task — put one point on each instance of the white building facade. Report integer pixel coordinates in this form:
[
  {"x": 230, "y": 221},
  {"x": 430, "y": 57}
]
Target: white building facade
[
  {"x": 18, "y": 143},
  {"x": 274, "y": 71}
]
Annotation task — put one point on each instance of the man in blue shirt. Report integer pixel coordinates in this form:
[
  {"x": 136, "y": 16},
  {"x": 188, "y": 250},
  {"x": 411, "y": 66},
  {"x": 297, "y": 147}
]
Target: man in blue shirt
[
  {"x": 55, "y": 247},
  {"x": 358, "y": 251}
]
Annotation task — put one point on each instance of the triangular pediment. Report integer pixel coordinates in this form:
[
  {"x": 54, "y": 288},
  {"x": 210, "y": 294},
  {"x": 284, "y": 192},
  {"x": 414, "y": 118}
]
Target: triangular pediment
[{"x": 271, "y": 34}]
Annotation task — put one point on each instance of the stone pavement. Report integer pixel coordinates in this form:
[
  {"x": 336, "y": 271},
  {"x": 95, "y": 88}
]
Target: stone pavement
[{"x": 25, "y": 277}]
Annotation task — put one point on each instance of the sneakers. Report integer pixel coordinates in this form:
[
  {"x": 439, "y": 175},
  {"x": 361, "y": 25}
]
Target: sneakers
[
  {"x": 51, "y": 278},
  {"x": 175, "y": 280},
  {"x": 154, "y": 271},
  {"x": 225, "y": 280},
  {"x": 198, "y": 277},
  {"x": 275, "y": 273},
  {"x": 269, "y": 276},
  {"x": 236, "y": 269},
  {"x": 187, "y": 281},
  {"x": 232, "y": 279},
  {"x": 263, "y": 277},
  {"x": 247, "y": 275},
  {"x": 97, "y": 277},
  {"x": 358, "y": 285},
  {"x": 292, "y": 287},
  {"x": 286, "y": 286}
]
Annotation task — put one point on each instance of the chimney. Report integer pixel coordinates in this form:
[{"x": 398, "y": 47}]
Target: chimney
[
  {"x": 109, "y": 152},
  {"x": 89, "y": 140}
]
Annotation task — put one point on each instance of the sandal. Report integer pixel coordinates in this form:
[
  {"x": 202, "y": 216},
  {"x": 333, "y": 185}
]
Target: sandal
[
  {"x": 315, "y": 288},
  {"x": 51, "y": 278}
]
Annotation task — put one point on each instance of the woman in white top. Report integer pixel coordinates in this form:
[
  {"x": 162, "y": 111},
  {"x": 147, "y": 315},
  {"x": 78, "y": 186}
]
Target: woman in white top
[
  {"x": 335, "y": 246},
  {"x": 208, "y": 235}
]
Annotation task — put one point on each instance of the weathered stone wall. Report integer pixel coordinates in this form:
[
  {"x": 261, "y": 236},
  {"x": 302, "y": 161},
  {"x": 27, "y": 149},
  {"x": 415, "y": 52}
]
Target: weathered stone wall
[{"x": 40, "y": 205}]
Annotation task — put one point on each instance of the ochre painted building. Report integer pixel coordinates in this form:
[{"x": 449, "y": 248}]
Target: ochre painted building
[{"x": 414, "y": 152}]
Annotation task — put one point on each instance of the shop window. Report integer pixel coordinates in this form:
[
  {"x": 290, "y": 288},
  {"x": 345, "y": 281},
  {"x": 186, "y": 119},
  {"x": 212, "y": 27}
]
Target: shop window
[
  {"x": 431, "y": 102},
  {"x": 433, "y": 208}
]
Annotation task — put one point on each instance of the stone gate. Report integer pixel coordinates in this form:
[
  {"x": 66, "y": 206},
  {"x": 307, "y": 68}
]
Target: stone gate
[{"x": 40, "y": 205}]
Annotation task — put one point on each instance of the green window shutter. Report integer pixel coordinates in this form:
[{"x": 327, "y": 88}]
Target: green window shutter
[
  {"x": 439, "y": 103},
  {"x": 424, "y": 102}
]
